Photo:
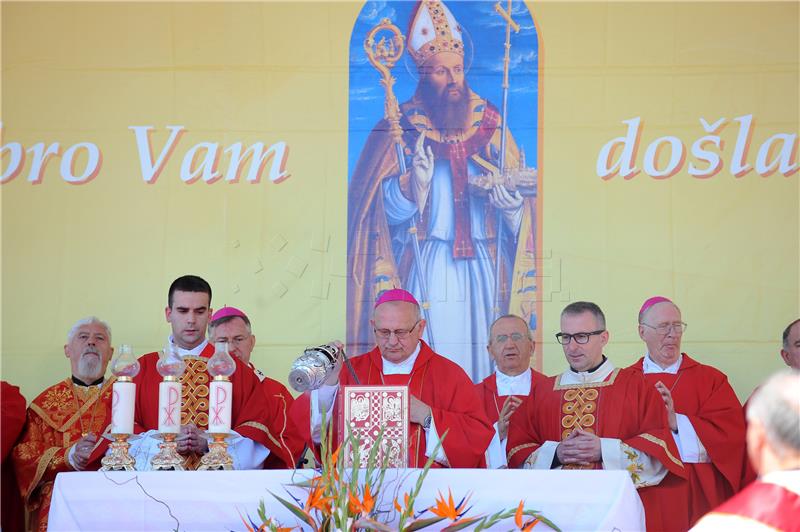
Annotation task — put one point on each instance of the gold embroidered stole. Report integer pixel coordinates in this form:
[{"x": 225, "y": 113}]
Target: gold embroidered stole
[
  {"x": 579, "y": 410},
  {"x": 194, "y": 400}
]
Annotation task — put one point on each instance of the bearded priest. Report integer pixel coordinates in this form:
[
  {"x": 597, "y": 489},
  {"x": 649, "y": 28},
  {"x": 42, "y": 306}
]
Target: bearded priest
[{"x": 66, "y": 421}]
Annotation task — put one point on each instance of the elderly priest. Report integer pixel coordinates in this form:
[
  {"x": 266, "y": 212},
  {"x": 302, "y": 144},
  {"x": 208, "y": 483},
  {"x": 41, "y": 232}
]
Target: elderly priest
[
  {"x": 442, "y": 398},
  {"x": 704, "y": 415},
  {"x": 66, "y": 421}
]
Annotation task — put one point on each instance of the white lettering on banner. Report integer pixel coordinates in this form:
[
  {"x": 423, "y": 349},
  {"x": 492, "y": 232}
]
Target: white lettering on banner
[
  {"x": 202, "y": 160},
  {"x": 151, "y": 170},
  {"x": 278, "y": 152},
  {"x": 93, "y": 164},
  {"x": 16, "y": 159},
  {"x": 678, "y": 155},
  {"x": 190, "y": 171},
  {"x": 776, "y": 154},
  {"x": 40, "y": 155},
  {"x": 624, "y": 165},
  {"x": 712, "y": 159}
]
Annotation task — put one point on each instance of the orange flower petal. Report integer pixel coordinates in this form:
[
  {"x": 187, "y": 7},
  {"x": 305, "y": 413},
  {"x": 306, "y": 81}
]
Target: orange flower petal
[{"x": 518, "y": 515}]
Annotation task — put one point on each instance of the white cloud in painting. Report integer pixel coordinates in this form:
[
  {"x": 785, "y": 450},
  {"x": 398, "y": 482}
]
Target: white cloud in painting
[{"x": 374, "y": 11}]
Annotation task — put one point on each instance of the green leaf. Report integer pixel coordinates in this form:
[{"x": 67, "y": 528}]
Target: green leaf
[
  {"x": 461, "y": 524},
  {"x": 299, "y": 512},
  {"x": 262, "y": 511},
  {"x": 542, "y": 518},
  {"x": 371, "y": 524},
  {"x": 422, "y": 523}
]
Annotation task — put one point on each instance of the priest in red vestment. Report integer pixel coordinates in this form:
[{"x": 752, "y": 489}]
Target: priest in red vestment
[
  {"x": 232, "y": 326},
  {"x": 773, "y": 443},
  {"x": 595, "y": 416},
  {"x": 12, "y": 421},
  {"x": 188, "y": 310},
  {"x": 66, "y": 422},
  {"x": 442, "y": 397},
  {"x": 511, "y": 347},
  {"x": 704, "y": 414}
]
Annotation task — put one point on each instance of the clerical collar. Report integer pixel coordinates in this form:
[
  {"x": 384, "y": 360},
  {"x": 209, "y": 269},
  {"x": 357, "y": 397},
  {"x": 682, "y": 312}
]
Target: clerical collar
[
  {"x": 401, "y": 368},
  {"x": 597, "y": 374},
  {"x": 650, "y": 366},
  {"x": 513, "y": 384},
  {"x": 592, "y": 370},
  {"x": 189, "y": 352},
  {"x": 76, "y": 380}
]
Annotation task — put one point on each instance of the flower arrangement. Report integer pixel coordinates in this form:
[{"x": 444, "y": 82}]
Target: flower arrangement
[{"x": 343, "y": 498}]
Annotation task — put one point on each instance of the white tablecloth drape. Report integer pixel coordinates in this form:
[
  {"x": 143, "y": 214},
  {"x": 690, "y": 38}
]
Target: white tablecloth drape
[{"x": 217, "y": 500}]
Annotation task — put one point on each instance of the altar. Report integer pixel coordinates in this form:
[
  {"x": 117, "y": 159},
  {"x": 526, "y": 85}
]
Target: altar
[{"x": 225, "y": 500}]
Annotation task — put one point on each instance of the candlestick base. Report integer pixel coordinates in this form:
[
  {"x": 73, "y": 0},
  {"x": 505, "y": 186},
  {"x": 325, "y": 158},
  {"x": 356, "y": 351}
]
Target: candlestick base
[
  {"x": 118, "y": 459},
  {"x": 167, "y": 458},
  {"x": 217, "y": 457}
]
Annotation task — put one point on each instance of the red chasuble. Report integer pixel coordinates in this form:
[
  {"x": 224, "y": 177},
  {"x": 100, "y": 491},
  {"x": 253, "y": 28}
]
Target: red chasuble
[
  {"x": 702, "y": 393},
  {"x": 286, "y": 450},
  {"x": 57, "y": 418},
  {"x": 437, "y": 382},
  {"x": 250, "y": 416},
  {"x": 492, "y": 401},
  {"x": 11, "y": 425},
  {"x": 622, "y": 406},
  {"x": 772, "y": 505}
]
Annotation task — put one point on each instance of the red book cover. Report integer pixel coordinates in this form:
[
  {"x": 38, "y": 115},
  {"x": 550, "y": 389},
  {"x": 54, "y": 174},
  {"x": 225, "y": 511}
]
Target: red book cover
[{"x": 363, "y": 411}]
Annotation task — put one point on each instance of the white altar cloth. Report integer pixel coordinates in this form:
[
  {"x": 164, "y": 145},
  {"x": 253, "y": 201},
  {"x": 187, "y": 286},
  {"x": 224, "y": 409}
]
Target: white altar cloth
[{"x": 217, "y": 500}]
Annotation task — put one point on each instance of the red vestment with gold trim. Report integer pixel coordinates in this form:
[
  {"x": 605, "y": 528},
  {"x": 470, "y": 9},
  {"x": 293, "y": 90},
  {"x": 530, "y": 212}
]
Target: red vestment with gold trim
[
  {"x": 437, "y": 382},
  {"x": 703, "y": 394},
  {"x": 251, "y": 414},
  {"x": 622, "y": 406},
  {"x": 58, "y": 418}
]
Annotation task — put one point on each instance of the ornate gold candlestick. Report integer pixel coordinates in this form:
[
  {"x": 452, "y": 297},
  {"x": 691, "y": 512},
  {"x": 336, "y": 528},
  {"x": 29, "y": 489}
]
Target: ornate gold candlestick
[
  {"x": 220, "y": 403},
  {"x": 125, "y": 367},
  {"x": 217, "y": 457},
  {"x": 167, "y": 458},
  {"x": 171, "y": 367},
  {"x": 118, "y": 459}
]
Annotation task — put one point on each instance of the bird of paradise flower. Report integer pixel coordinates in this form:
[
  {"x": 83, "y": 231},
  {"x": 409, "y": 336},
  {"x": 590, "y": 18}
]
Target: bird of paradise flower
[{"x": 336, "y": 500}]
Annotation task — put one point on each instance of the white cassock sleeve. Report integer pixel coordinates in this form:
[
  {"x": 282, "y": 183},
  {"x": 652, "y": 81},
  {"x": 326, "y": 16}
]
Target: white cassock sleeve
[
  {"x": 496, "y": 452},
  {"x": 431, "y": 441},
  {"x": 246, "y": 453},
  {"x": 643, "y": 468},
  {"x": 692, "y": 449},
  {"x": 321, "y": 401}
]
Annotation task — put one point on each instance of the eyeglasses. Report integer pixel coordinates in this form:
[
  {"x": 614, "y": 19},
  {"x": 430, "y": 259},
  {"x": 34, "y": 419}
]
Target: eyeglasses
[
  {"x": 580, "y": 338},
  {"x": 503, "y": 338},
  {"x": 236, "y": 340},
  {"x": 678, "y": 327},
  {"x": 400, "y": 334}
]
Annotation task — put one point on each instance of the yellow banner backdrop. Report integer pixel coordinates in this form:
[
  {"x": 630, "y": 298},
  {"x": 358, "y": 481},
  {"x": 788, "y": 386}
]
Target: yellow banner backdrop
[{"x": 667, "y": 165}]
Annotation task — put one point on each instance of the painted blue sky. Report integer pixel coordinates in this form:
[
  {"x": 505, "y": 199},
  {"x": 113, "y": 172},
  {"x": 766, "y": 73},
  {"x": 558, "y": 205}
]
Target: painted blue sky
[{"x": 484, "y": 59}]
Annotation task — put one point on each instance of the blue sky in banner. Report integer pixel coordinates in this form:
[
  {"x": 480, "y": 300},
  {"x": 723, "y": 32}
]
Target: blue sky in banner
[{"x": 484, "y": 60}]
